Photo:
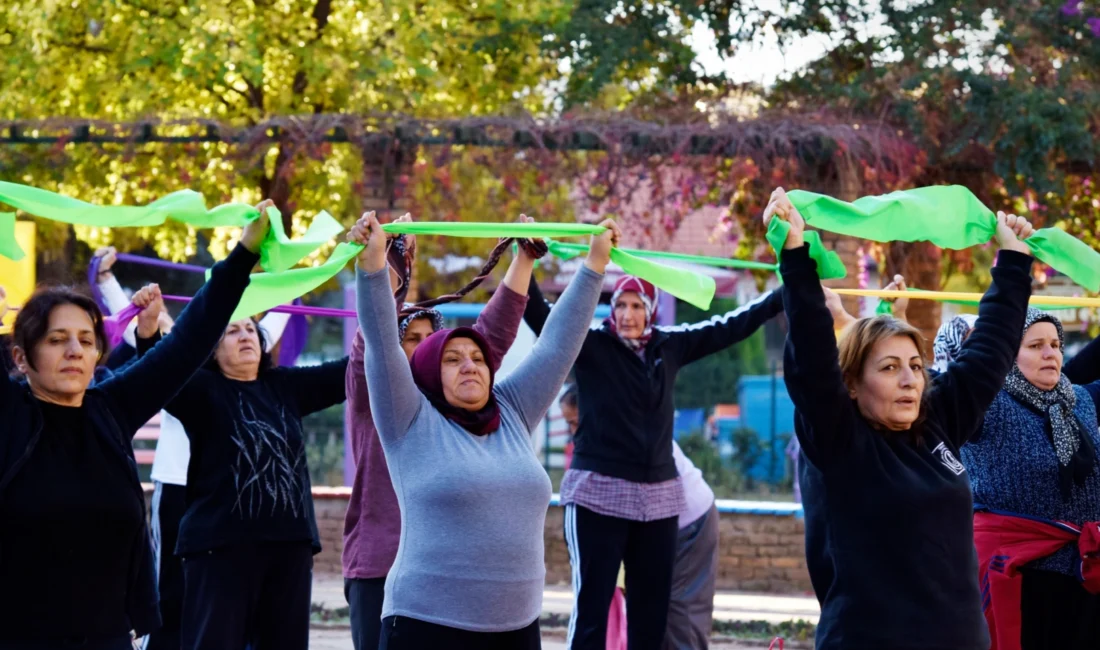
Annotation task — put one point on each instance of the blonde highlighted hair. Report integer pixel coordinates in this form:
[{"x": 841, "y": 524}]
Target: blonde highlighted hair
[{"x": 858, "y": 339}]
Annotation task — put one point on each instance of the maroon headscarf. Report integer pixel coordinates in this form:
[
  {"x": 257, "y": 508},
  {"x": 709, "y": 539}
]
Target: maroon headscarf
[{"x": 426, "y": 365}]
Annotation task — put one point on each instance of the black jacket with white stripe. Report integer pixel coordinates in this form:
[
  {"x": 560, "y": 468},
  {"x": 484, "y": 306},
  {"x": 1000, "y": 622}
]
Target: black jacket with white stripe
[{"x": 626, "y": 407}]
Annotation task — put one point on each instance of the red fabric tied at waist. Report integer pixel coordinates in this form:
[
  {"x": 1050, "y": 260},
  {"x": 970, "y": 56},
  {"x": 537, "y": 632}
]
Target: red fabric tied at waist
[
  {"x": 1089, "y": 544},
  {"x": 1005, "y": 543}
]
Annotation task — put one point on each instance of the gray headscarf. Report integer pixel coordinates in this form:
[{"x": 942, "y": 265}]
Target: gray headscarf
[{"x": 1072, "y": 445}]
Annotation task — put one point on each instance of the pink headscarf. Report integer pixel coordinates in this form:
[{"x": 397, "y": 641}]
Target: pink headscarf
[{"x": 648, "y": 293}]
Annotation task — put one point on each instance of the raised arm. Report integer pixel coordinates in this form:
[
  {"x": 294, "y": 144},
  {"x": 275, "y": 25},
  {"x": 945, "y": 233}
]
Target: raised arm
[
  {"x": 113, "y": 295},
  {"x": 146, "y": 386},
  {"x": 499, "y": 321},
  {"x": 811, "y": 364},
  {"x": 536, "y": 382},
  {"x": 394, "y": 398},
  {"x": 274, "y": 324},
  {"x": 962, "y": 394},
  {"x": 317, "y": 387},
  {"x": 695, "y": 341},
  {"x": 357, "y": 411},
  {"x": 1084, "y": 367},
  {"x": 537, "y": 310}
]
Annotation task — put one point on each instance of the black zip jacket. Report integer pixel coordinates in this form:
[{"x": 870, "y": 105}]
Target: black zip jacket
[
  {"x": 626, "y": 410},
  {"x": 124, "y": 401}
]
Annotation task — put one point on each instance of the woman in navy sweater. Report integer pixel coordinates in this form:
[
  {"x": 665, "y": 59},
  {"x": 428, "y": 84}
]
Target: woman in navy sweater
[
  {"x": 76, "y": 565},
  {"x": 889, "y": 525}
]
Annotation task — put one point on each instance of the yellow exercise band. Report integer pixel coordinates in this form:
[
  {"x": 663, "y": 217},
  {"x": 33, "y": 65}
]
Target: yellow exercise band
[{"x": 944, "y": 296}]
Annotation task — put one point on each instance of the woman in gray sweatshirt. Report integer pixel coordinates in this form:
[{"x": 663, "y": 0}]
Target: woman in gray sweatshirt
[{"x": 469, "y": 571}]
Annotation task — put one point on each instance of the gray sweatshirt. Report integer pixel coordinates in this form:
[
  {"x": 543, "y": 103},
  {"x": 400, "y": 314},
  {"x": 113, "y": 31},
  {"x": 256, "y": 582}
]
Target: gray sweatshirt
[{"x": 473, "y": 508}]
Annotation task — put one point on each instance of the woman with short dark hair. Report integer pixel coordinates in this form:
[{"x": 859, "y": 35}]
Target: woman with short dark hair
[
  {"x": 76, "y": 564},
  {"x": 889, "y": 527}
]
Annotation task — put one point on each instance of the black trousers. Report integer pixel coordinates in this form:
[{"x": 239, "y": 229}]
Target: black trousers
[
  {"x": 598, "y": 544},
  {"x": 169, "y": 504},
  {"x": 401, "y": 633},
  {"x": 250, "y": 594},
  {"x": 1056, "y": 612},
  {"x": 365, "y": 596}
]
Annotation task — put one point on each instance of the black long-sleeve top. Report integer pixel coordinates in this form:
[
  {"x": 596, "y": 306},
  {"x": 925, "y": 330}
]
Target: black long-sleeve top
[
  {"x": 75, "y": 465},
  {"x": 889, "y": 527}
]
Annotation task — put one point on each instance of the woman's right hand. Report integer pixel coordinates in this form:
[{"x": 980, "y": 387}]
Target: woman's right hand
[
  {"x": 599, "y": 251},
  {"x": 3, "y": 303},
  {"x": 149, "y": 300},
  {"x": 255, "y": 231},
  {"x": 1012, "y": 231},
  {"x": 780, "y": 206},
  {"x": 367, "y": 232},
  {"x": 841, "y": 317},
  {"x": 107, "y": 257}
]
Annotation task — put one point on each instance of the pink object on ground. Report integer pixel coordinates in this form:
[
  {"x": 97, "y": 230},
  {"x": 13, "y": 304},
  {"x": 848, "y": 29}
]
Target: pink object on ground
[{"x": 616, "y": 622}]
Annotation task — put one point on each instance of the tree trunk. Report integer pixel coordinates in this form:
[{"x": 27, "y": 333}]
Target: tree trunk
[{"x": 919, "y": 262}]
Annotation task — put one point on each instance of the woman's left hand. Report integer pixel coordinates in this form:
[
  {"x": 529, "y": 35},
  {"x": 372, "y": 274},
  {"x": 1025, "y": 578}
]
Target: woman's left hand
[
  {"x": 368, "y": 233},
  {"x": 255, "y": 231},
  {"x": 152, "y": 306}
]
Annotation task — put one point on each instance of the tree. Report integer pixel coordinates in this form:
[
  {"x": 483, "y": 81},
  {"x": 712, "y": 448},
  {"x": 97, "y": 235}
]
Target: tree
[
  {"x": 240, "y": 63},
  {"x": 1002, "y": 96}
]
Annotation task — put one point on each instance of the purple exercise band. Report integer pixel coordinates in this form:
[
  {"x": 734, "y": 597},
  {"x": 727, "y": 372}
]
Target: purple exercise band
[
  {"x": 164, "y": 264},
  {"x": 303, "y": 310}
]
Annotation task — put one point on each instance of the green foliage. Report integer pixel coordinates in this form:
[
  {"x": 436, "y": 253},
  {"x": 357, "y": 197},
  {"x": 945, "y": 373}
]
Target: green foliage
[
  {"x": 241, "y": 63},
  {"x": 324, "y": 438},
  {"x": 800, "y": 630},
  {"x": 725, "y": 481},
  {"x": 713, "y": 379},
  {"x": 747, "y": 451}
]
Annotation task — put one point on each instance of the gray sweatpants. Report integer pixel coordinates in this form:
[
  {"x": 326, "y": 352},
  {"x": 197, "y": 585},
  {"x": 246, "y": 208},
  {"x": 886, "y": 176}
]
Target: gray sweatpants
[{"x": 691, "y": 610}]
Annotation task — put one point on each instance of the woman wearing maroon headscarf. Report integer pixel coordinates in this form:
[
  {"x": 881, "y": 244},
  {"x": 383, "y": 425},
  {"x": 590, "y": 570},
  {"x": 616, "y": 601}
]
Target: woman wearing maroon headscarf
[
  {"x": 622, "y": 494},
  {"x": 469, "y": 571},
  {"x": 372, "y": 525}
]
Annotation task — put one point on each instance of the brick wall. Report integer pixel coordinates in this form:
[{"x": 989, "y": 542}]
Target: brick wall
[{"x": 757, "y": 552}]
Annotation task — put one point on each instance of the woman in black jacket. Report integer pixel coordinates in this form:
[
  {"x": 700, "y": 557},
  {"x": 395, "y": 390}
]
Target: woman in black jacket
[
  {"x": 889, "y": 528},
  {"x": 76, "y": 566},
  {"x": 622, "y": 494}
]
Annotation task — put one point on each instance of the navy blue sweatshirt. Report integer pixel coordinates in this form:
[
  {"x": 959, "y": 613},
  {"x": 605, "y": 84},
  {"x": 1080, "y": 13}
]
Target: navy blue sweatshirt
[
  {"x": 113, "y": 411},
  {"x": 627, "y": 411},
  {"x": 889, "y": 523}
]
